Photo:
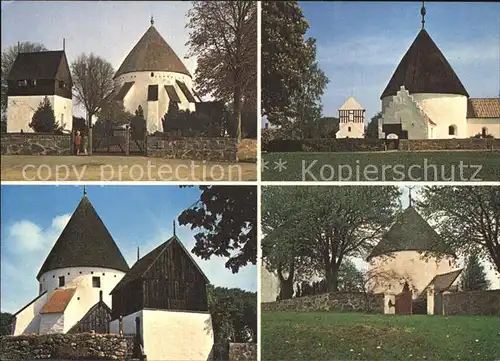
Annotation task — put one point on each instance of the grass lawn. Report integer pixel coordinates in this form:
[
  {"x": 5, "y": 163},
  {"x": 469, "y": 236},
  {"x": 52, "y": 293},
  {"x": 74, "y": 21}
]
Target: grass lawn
[
  {"x": 312, "y": 336},
  {"x": 382, "y": 166}
]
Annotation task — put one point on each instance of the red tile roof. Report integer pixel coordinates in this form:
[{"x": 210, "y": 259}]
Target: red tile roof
[
  {"x": 59, "y": 300},
  {"x": 483, "y": 108}
]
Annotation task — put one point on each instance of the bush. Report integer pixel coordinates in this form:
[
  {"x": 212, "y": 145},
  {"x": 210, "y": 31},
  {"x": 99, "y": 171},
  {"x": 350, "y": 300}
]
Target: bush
[{"x": 44, "y": 120}]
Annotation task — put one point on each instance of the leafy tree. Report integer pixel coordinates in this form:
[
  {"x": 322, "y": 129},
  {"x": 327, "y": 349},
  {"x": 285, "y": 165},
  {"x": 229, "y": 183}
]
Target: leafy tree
[
  {"x": 113, "y": 114},
  {"x": 474, "y": 277},
  {"x": 44, "y": 120},
  {"x": 467, "y": 219},
  {"x": 350, "y": 278},
  {"x": 371, "y": 130},
  {"x": 331, "y": 224},
  {"x": 227, "y": 217},
  {"x": 8, "y": 57},
  {"x": 92, "y": 83},
  {"x": 5, "y": 322},
  {"x": 286, "y": 57},
  {"x": 234, "y": 314},
  {"x": 223, "y": 36},
  {"x": 139, "y": 112}
]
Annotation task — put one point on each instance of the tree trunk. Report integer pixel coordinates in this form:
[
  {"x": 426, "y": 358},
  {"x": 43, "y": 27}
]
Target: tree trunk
[
  {"x": 237, "y": 110},
  {"x": 89, "y": 151},
  {"x": 286, "y": 288},
  {"x": 332, "y": 280}
]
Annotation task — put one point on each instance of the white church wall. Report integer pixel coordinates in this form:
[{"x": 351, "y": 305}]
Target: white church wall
[
  {"x": 20, "y": 110},
  {"x": 28, "y": 320},
  {"x": 128, "y": 324},
  {"x": 445, "y": 110},
  {"x": 476, "y": 125},
  {"x": 180, "y": 336},
  {"x": 351, "y": 130},
  {"x": 52, "y": 323},
  {"x": 82, "y": 276},
  {"x": 138, "y": 94},
  {"x": 390, "y": 272}
]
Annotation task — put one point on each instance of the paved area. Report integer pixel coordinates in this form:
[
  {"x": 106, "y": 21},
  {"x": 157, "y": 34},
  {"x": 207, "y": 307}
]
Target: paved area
[{"x": 120, "y": 168}]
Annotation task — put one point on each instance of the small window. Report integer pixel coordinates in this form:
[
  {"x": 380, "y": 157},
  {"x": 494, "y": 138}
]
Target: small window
[
  {"x": 96, "y": 282},
  {"x": 91, "y": 272},
  {"x": 351, "y": 115},
  {"x": 484, "y": 132},
  {"x": 61, "y": 281},
  {"x": 348, "y": 129},
  {"x": 41, "y": 288},
  {"x": 152, "y": 74},
  {"x": 62, "y": 85},
  {"x": 22, "y": 83},
  {"x": 33, "y": 82},
  {"x": 103, "y": 274},
  {"x": 452, "y": 130},
  {"x": 68, "y": 273},
  {"x": 153, "y": 92}
]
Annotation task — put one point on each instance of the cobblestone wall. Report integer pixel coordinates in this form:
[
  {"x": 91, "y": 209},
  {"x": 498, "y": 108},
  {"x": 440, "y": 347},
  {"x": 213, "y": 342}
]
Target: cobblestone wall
[
  {"x": 473, "y": 303},
  {"x": 36, "y": 144}
]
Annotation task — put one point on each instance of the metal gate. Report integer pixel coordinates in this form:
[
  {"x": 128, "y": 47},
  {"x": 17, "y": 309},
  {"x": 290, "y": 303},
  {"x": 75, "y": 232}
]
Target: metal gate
[
  {"x": 131, "y": 140},
  {"x": 404, "y": 301}
]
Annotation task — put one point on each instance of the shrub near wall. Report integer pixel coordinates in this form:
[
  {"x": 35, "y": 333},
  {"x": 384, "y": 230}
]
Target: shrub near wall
[
  {"x": 335, "y": 301},
  {"x": 324, "y": 145},
  {"x": 63, "y": 347},
  {"x": 473, "y": 303},
  {"x": 36, "y": 144},
  {"x": 210, "y": 149}
]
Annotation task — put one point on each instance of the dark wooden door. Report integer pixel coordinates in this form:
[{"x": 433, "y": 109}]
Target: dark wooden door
[
  {"x": 404, "y": 302},
  {"x": 438, "y": 304}
]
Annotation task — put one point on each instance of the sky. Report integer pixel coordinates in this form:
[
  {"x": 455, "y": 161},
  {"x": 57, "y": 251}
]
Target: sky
[
  {"x": 109, "y": 29},
  {"x": 360, "y": 44},
  {"x": 33, "y": 217}
]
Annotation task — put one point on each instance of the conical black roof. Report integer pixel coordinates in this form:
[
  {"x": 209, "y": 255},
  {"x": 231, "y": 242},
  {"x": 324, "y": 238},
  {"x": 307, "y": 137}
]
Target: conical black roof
[
  {"x": 410, "y": 232},
  {"x": 152, "y": 53},
  {"x": 424, "y": 69},
  {"x": 84, "y": 242}
]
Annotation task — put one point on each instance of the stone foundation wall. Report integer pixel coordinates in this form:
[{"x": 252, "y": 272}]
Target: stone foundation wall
[
  {"x": 473, "y": 303},
  {"x": 36, "y": 144},
  {"x": 85, "y": 346},
  {"x": 242, "y": 352},
  {"x": 335, "y": 301},
  {"x": 449, "y": 144},
  {"x": 209, "y": 149}
]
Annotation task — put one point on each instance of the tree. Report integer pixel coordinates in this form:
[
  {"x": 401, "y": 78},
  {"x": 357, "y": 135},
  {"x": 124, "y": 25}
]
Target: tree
[
  {"x": 92, "y": 83},
  {"x": 234, "y": 314},
  {"x": 474, "y": 277},
  {"x": 113, "y": 114},
  {"x": 286, "y": 57},
  {"x": 139, "y": 112},
  {"x": 350, "y": 278},
  {"x": 227, "y": 216},
  {"x": 4, "y": 123},
  {"x": 8, "y": 58},
  {"x": 44, "y": 120},
  {"x": 223, "y": 36},
  {"x": 5, "y": 323},
  {"x": 371, "y": 130},
  {"x": 334, "y": 223},
  {"x": 467, "y": 219}
]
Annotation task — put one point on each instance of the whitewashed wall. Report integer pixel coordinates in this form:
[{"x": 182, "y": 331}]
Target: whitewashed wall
[
  {"x": 28, "y": 320},
  {"x": 408, "y": 265},
  {"x": 357, "y": 130},
  {"x": 20, "y": 110},
  {"x": 52, "y": 323},
  {"x": 180, "y": 336},
  {"x": 138, "y": 94},
  {"x": 492, "y": 125},
  {"x": 128, "y": 324}
]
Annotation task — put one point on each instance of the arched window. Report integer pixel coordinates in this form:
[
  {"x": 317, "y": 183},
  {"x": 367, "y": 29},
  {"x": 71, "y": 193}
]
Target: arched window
[
  {"x": 452, "y": 130},
  {"x": 484, "y": 132}
]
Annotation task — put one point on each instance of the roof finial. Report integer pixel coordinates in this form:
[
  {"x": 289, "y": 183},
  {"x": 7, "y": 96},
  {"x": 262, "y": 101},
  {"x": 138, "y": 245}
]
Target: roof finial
[
  {"x": 137, "y": 252},
  {"x": 84, "y": 191},
  {"x": 152, "y": 20},
  {"x": 409, "y": 195},
  {"x": 423, "y": 12},
  {"x": 174, "y": 226}
]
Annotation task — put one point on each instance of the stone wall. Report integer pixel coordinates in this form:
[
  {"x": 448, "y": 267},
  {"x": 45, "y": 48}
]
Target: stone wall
[
  {"x": 63, "y": 347},
  {"x": 474, "y": 303},
  {"x": 449, "y": 144},
  {"x": 209, "y": 149},
  {"x": 36, "y": 144},
  {"x": 335, "y": 301},
  {"x": 242, "y": 352}
]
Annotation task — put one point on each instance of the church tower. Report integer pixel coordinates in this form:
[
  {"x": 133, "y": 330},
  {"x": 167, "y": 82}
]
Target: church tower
[
  {"x": 424, "y": 98},
  {"x": 351, "y": 120},
  {"x": 152, "y": 76}
]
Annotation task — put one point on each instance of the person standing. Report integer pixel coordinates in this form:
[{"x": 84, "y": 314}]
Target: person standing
[
  {"x": 85, "y": 143},
  {"x": 78, "y": 142}
]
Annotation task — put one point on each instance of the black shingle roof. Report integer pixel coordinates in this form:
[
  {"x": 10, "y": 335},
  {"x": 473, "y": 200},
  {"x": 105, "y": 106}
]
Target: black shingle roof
[
  {"x": 152, "y": 53},
  {"x": 37, "y": 65},
  {"x": 424, "y": 69},
  {"x": 84, "y": 242},
  {"x": 144, "y": 264},
  {"x": 410, "y": 232}
]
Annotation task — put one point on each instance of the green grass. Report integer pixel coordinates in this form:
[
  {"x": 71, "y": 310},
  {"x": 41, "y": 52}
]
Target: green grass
[
  {"x": 312, "y": 336},
  {"x": 488, "y": 161}
]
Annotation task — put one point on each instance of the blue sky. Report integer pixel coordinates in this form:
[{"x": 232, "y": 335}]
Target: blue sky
[
  {"x": 109, "y": 29},
  {"x": 33, "y": 217},
  {"x": 360, "y": 45}
]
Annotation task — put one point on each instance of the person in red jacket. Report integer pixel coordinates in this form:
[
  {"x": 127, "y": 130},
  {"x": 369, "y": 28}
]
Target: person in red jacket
[{"x": 78, "y": 142}]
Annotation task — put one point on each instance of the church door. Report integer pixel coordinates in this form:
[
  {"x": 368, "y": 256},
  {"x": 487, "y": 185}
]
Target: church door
[
  {"x": 404, "y": 301},
  {"x": 438, "y": 304}
]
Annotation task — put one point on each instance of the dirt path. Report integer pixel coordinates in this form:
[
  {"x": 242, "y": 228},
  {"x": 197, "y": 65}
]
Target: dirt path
[{"x": 119, "y": 168}]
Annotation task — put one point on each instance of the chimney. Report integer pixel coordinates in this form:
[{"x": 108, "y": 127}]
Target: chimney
[
  {"x": 18, "y": 47},
  {"x": 64, "y": 44},
  {"x": 137, "y": 252}
]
